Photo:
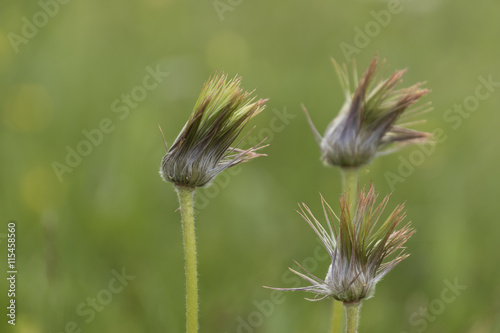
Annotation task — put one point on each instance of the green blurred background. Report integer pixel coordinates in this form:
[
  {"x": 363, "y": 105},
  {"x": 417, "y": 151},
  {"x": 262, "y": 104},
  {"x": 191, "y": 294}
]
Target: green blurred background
[{"x": 112, "y": 212}]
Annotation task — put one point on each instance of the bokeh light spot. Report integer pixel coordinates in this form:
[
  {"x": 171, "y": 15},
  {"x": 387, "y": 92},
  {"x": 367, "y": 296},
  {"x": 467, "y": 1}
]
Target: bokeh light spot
[
  {"x": 40, "y": 189},
  {"x": 28, "y": 108}
]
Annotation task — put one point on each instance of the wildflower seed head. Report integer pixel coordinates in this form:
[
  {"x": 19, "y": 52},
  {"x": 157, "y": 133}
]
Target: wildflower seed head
[
  {"x": 203, "y": 148},
  {"x": 373, "y": 119},
  {"x": 361, "y": 252}
]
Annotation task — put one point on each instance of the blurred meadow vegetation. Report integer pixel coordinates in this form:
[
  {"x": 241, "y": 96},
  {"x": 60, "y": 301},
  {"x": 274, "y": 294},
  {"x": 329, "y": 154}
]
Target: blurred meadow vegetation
[{"x": 84, "y": 69}]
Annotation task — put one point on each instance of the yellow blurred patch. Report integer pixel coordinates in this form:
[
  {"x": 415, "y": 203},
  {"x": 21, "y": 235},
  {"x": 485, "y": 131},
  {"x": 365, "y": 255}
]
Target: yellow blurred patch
[
  {"x": 24, "y": 324},
  {"x": 28, "y": 108},
  {"x": 40, "y": 189}
]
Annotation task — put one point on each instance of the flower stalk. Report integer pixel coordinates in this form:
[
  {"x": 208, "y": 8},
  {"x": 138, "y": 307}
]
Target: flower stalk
[
  {"x": 349, "y": 186},
  {"x": 352, "y": 316},
  {"x": 201, "y": 151},
  {"x": 350, "y": 183},
  {"x": 185, "y": 195}
]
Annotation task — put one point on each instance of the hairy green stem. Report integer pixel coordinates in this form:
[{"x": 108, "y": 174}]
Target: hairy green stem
[
  {"x": 187, "y": 213},
  {"x": 352, "y": 314},
  {"x": 350, "y": 185}
]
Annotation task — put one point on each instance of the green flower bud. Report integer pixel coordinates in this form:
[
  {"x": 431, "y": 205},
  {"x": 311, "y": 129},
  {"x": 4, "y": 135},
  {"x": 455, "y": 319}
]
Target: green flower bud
[
  {"x": 370, "y": 123},
  {"x": 359, "y": 251},
  {"x": 202, "y": 149}
]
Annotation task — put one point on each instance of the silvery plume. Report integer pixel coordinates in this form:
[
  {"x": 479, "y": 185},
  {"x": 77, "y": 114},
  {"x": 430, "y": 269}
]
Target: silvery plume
[
  {"x": 203, "y": 148},
  {"x": 373, "y": 120},
  {"x": 359, "y": 249}
]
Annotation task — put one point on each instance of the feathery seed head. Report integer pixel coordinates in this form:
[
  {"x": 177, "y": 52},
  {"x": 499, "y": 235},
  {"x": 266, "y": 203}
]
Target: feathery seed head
[
  {"x": 359, "y": 249},
  {"x": 373, "y": 119},
  {"x": 203, "y": 148}
]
